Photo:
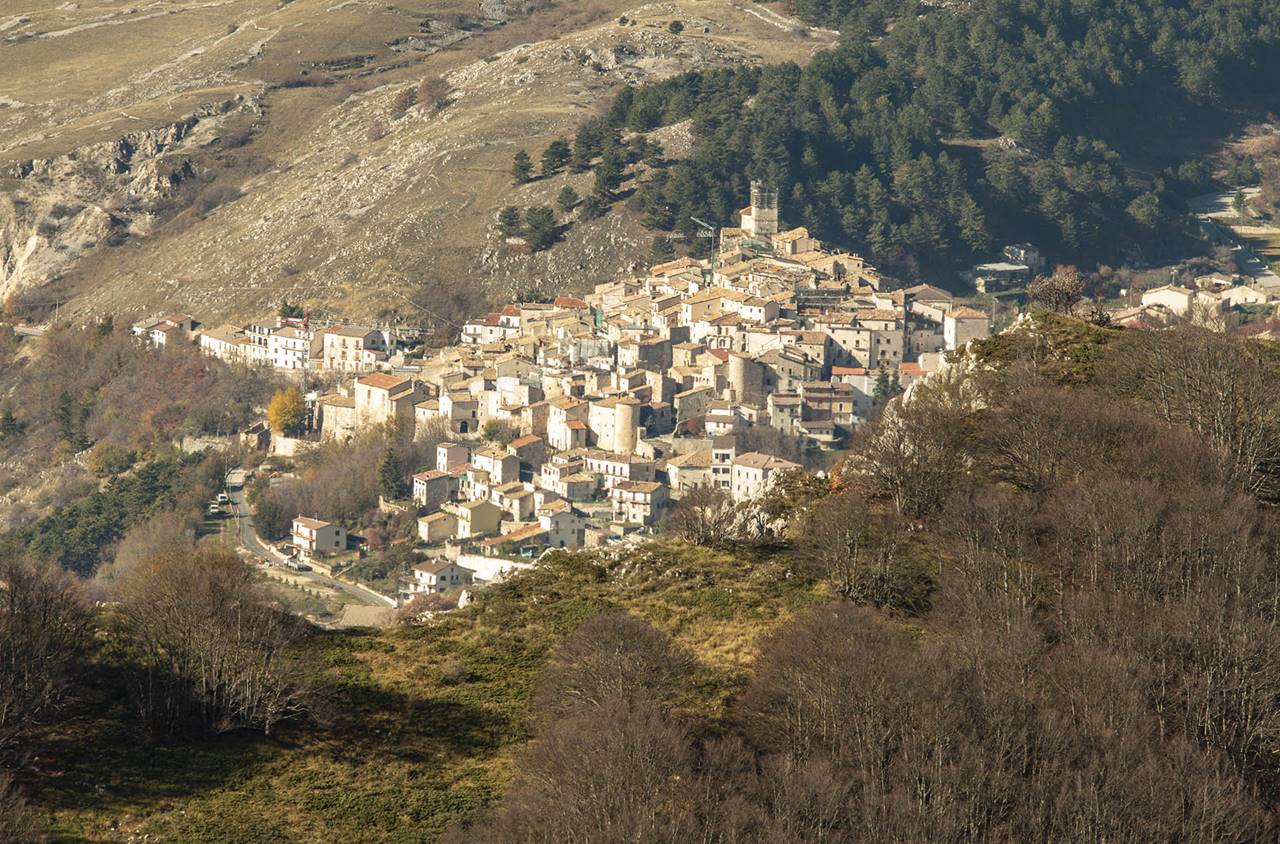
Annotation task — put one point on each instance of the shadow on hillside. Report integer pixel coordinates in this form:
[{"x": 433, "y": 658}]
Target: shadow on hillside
[
  {"x": 414, "y": 728},
  {"x": 111, "y": 762}
]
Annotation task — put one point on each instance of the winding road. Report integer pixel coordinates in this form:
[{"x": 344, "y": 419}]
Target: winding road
[
  {"x": 1215, "y": 211},
  {"x": 361, "y": 606}
]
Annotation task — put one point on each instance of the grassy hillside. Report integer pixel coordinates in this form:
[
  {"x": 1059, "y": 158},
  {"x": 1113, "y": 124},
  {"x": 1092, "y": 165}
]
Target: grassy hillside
[{"x": 420, "y": 724}]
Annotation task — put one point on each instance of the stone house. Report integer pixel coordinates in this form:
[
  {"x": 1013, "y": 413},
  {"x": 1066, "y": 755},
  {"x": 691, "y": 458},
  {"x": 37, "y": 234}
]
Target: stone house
[
  {"x": 639, "y": 502},
  {"x": 753, "y": 474},
  {"x": 437, "y": 527},
  {"x": 318, "y": 538},
  {"x": 438, "y": 576}
]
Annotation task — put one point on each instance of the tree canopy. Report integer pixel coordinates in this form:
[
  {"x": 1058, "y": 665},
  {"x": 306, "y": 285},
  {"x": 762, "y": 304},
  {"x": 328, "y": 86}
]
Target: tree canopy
[
  {"x": 1006, "y": 121},
  {"x": 287, "y": 412}
]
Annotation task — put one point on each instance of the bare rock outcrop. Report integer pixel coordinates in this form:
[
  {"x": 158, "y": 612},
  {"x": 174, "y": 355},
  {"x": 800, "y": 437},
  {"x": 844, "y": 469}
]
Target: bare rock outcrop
[{"x": 59, "y": 209}]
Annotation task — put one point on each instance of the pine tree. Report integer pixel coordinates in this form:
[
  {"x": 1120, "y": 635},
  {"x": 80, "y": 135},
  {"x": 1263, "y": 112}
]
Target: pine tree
[
  {"x": 592, "y": 208},
  {"x": 653, "y": 153},
  {"x": 9, "y": 425},
  {"x": 661, "y": 250},
  {"x": 555, "y": 157},
  {"x": 70, "y": 416},
  {"x": 973, "y": 226},
  {"x": 884, "y": 388},
  {"x": 609, "y": 174},
  {"x": 509, "y": 221},
  {"x": 566, "y": 199},
  {"x": 540, "y": 223},
  {"x": 391, "y": 481},
  {"x": 521, "y": 168},
  {"x": 586, "y": 146}
]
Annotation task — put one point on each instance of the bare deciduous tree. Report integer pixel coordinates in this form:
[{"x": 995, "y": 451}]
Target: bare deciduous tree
[
  {"x": 207, "y": 642},
  {"x": 617, "y": 775},
  {"x": 45, "y": 626},
  {"x": 434, "y": 91},
  {"x": 1060, "y": 292},
  {"x": 834, "y": 540},
  {"x": 612, "y": 660},
  {"x": 1220, "y": 387},
  {"x": 703, "y": 516},
  {"x": 913, "y": 454}
]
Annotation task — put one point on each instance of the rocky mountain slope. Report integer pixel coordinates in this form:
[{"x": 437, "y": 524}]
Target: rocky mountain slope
[{"x": 218, "y": 156}]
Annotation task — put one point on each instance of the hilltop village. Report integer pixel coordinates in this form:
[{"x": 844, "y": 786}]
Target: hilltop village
[{"x": 615, "y": 404}]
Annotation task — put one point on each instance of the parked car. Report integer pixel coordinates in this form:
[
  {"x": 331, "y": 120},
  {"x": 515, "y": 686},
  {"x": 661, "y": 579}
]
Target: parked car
[
  {"x": 215, "y": 510},
  {"x": 223, "y": 498}
]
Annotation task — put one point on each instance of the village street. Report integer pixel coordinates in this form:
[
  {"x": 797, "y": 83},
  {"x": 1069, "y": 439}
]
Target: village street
[
  {"x": 1216, "y": 210},
  {"x": 360, "y": 606}
]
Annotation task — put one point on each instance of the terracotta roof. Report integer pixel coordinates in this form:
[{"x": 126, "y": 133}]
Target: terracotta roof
[
  {"x": 314, "y": 524},
  {"x": 758, "y": 460},
  {"x": 699, "y": 459},
  {"x": 877, "y": 314},
  {"x": 678, "y": 264},
  {"x": 349, "y": 331},
  {"x": 384, "y": 381},
  {"x": 649, "y": 487},
  {"x": 526, "y": 532},
  {"x": 437, "y": 566}
]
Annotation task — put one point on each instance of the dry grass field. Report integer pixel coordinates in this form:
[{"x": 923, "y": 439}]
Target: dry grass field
[{"x": 299, "y": 175}]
